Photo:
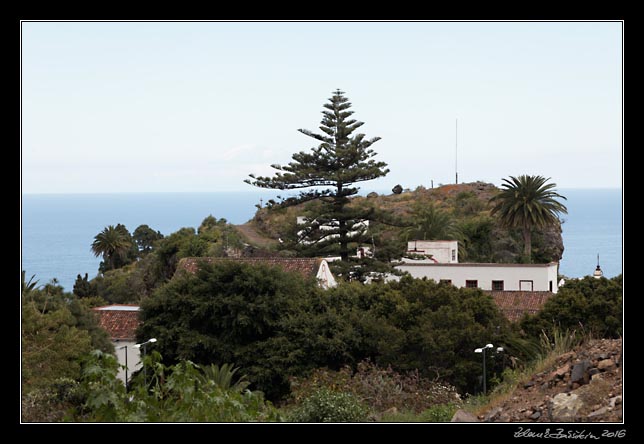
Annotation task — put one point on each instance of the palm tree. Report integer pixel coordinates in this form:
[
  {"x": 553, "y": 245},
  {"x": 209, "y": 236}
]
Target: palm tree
[
  {"x": 28, "y": 285},
  {"x": 430, "y": 223},
  {"x": 527, "y": 202},
  {"x": 112, "y": 244}
]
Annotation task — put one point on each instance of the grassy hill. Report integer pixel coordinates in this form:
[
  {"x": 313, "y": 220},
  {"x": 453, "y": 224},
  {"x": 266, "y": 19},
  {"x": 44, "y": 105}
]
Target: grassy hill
[{"x": 459, "y": 212}]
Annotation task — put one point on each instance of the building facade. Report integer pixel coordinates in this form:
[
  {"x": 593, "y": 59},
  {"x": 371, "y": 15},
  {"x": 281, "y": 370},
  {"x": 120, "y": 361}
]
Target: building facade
[
  {"x": 121, "y": 322},
  {"x": 441, "y": 251},
  {"x": 492, "y": 277}
]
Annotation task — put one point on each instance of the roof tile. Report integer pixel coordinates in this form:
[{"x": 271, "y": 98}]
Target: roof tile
[
  {"x": 514, "y": 304},
  {"x": 307, "y": 267},
  {"x": 120, "y": 324}
]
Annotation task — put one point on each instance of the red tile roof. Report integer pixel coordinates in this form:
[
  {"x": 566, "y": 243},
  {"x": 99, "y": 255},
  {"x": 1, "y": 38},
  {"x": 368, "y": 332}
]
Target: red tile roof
[
  {"x": 121, "y": 323},
  {"x": 514, "y": 304},
  {"x": 307, "y": 267}
]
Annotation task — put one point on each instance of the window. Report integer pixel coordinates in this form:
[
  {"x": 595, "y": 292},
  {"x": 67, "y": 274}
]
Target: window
[
  {"x": 525, "y": 285},
  {"x": 446, "y": 281},
  {"x": 471, "y": 284},
  {"x": 453, "y": 255},
  {"x": 497, "y": 285},
  {"x": 550, "y": 286}
]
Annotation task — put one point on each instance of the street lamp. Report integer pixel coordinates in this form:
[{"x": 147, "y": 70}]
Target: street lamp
[
  {"x": 143, "y": 344},
  {"x": 482, "y": 350},
  {"x": 125, "y": 348}
]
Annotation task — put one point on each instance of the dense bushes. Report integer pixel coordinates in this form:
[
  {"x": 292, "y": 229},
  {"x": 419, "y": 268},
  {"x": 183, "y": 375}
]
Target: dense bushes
[
  {"x": 58, "y": 329},
  {"x": 381, "y": 389},
  {"x": 276, "y": 325},
  {"x": 591, "y": 306}
]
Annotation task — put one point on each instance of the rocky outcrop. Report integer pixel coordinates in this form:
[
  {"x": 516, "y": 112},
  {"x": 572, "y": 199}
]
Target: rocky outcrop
[
  {"x": 565, "y": 407},
  {"x": 584, "y": 385},
  {"x": 463, "y": 416}
]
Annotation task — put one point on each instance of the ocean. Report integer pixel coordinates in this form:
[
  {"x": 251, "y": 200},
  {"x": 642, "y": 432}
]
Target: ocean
[{"x": 58, "y": 229}]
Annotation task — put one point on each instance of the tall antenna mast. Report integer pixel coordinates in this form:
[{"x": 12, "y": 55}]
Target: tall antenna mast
[{"x": 456, "y": 152}]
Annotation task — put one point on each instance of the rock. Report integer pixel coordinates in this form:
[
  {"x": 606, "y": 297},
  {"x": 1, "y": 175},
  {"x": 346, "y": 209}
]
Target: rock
[
  {"x": 536, "y": 415},
  {"x": 391, "y": 411},
  {"x": 528, "y": 384},
  {"x": 592, "y": 372},
  {"x": 615, "y": 401},
  {"x": 561, "y": 371},
  {"x": 600, "y": 412},
  {"x": 596, "y": 378},
  {"x": 463, "y": 416},
  {"x": 565, "y": 406},
  {"x": 372, "y": 195},
  {"x": 601, "y": 357},
  {"x": 606, "y": 365},
  {"x": 493, "y": 414},
  {"x": 579, "y": 374}
]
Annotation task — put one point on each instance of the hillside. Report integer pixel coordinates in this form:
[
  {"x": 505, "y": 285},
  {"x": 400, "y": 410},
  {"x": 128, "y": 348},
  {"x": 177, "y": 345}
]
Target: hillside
[
  {"x": 465, "y": 206},
  {"x": 583, "y": 385}
]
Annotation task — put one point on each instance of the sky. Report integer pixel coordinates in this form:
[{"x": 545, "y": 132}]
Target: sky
[{"x": 198, "y": 106}]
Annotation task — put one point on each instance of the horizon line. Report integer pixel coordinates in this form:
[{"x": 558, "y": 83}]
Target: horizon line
[{"x": 266, "y": 190}]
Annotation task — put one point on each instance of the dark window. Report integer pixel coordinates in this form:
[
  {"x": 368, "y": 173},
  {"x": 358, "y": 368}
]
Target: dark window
[
  {"x": 471, "y": 284},
  {"x": 453, "y": 255},
  {"x": 497, "y": 285},
  {"x": 550, "y": 286},
  {"x": 446, "y": 281}
]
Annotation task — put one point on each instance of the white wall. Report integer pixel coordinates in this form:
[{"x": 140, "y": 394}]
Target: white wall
[
  {"x": 133, "y": 358},
  {"x": 511, "y": 274},
  {"x": 440, "y": 250}
]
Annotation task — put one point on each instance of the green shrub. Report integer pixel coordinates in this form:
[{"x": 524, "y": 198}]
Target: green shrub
[{"x": 325, "y": 405}]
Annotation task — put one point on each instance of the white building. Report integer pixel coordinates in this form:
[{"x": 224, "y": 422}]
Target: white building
[
  {"x": 441, "y": 251},
  {"x": 121, "y": 322},
  {"x": 496, "y": 277}
]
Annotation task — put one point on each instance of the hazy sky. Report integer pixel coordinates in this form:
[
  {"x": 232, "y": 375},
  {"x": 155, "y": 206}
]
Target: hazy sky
[{"x": 197, "y": 106}]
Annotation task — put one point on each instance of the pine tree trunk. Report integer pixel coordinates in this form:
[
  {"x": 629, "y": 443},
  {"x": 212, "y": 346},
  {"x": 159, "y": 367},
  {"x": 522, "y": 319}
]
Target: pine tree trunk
[
  {"x": 344, "y": 241},
  {"x": 342, "y": 224}
]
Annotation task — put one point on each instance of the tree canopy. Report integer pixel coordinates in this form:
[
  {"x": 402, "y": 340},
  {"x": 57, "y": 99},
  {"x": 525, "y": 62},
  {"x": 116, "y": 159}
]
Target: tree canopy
[{"x": 274, "y": 325}]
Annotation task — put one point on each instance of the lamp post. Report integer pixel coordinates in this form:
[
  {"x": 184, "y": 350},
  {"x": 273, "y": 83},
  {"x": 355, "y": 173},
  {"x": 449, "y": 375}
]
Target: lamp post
[
  {"x": 125, "y": 348},
  {"x": 143, "y": 344},
  {"x": 482, "y": 350}
]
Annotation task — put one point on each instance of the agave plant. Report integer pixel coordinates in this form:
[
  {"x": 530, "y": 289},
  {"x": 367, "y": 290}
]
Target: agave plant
[{"x": 222, "y": 377}]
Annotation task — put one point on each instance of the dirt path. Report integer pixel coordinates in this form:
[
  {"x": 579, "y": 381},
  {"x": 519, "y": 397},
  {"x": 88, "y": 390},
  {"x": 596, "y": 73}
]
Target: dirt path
[{"x": 251, "y": 236}]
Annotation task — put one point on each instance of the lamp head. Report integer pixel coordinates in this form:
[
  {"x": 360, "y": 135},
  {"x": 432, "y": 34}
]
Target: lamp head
[
  {"x": 489, "y": 346},
  {"x": 153, "y": 340},
  {"x": 499, "y": 349},
  {"x": 478, "y": 350}
]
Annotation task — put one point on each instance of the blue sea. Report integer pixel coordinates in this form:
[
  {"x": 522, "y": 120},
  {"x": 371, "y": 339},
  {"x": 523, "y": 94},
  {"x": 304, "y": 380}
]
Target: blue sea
[{"x": 58, "y": 229}]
